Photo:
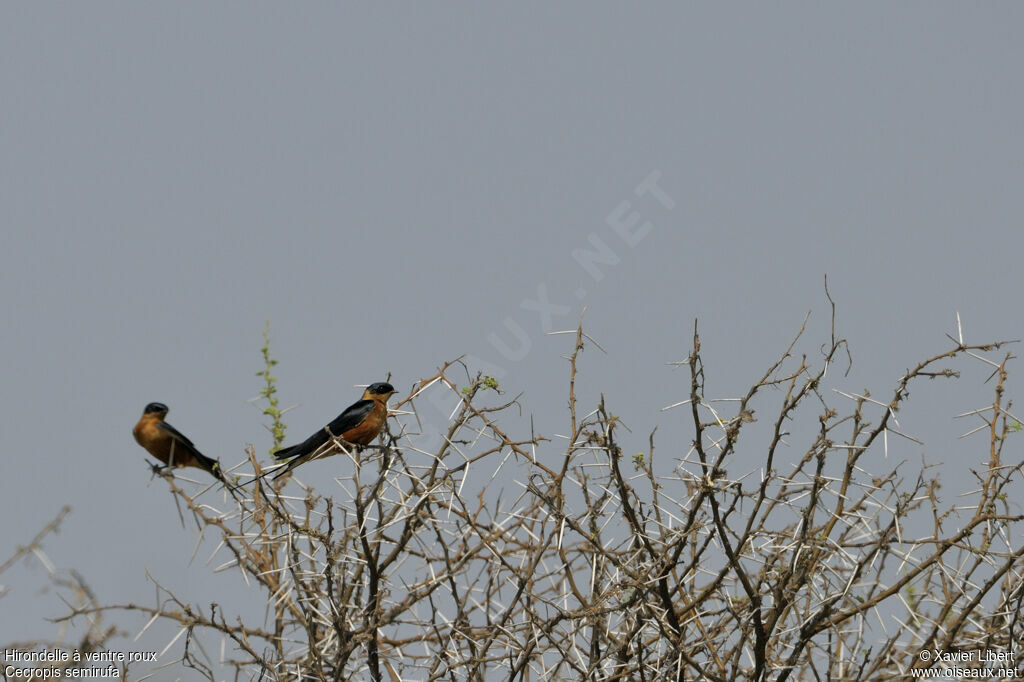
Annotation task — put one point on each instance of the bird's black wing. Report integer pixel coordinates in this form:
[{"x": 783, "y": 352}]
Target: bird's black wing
[
  {"x": 352, "y": 417},
  {"x": 208, "y": 463},
  {"x": 307, "y": 446},
  {"x": 178, "y": 436}
]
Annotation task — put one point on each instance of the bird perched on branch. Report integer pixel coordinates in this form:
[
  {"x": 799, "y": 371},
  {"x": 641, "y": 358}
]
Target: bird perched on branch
[
  {"x": 359, "y": 424},
  {"x": 169, "y": 445}
]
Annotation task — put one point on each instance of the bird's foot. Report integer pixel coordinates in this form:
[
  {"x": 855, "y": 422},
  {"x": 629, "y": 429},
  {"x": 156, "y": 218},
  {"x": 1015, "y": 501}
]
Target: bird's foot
[{"x": 159, "y": 469}]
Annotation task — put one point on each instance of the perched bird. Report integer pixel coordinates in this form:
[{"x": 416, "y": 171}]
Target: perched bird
[
  {"x": 169, "y": 445},
  {"x": 359, "y": 424}
]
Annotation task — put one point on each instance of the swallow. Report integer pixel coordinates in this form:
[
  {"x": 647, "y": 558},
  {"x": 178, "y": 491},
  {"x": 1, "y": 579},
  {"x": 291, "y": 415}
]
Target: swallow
[
  {"x": 359, "y": 424},
  {"x": 169, "y": 445}
]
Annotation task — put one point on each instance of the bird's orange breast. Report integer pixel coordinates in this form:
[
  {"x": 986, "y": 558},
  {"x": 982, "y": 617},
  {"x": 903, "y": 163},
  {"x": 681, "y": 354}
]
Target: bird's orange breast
[
  {"x": 148, "y": 435},
  {"x": 367, "y": 430},
  {"x": 161, "y": 444}
]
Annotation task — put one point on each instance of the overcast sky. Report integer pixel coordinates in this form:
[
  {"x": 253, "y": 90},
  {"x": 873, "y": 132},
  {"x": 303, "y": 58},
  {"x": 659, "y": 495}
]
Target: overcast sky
[{"x": 393, "y": 186}]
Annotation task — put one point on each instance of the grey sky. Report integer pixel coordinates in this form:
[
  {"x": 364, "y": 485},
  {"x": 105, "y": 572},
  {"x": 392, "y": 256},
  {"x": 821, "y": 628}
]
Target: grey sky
[{"x": 388, "y": 184}]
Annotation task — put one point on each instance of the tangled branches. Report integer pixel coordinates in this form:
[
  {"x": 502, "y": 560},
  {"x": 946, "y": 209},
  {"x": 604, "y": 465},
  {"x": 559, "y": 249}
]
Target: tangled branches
[{"x": 476, "y": 560}]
